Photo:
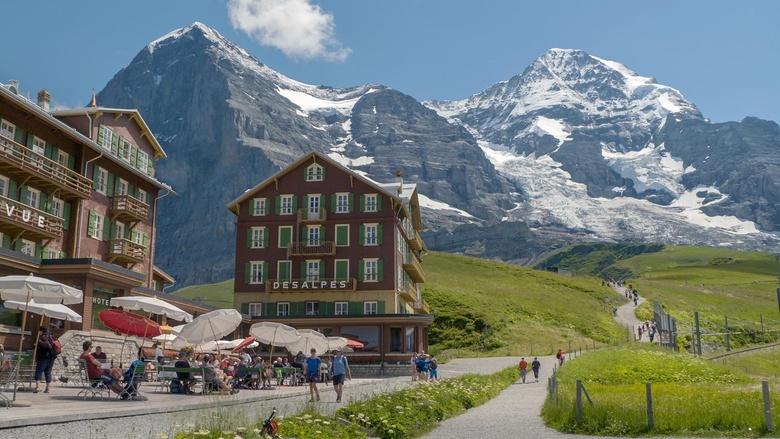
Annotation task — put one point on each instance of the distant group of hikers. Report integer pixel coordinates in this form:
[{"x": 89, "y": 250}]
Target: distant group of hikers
[
  {"x": 536, "y": 365},
  {"x": 647, "y": 328}
]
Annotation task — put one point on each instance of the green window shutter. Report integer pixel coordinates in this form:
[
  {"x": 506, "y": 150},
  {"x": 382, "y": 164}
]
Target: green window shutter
[
  {"x": 265, "y": 271},
  {"x": 101, "y": 134},
  {"x": 341, "y": 270},
  {"x": 38, "y": 251},
  {"x": 355, "y": 308},
  {"x": 66, "y": 214},
  {"x": 247, "y": 272},
  {"x": 18, "y": 245},
  {"x": 107, "y": 226},
  {"x": 29, "y": 140},
  {"x": 251, "y": 206},
  {"x": 362, "y": 203},
  {"x": 322, "y": 269},
  {"x": 305, "y": 203},
  {"x": 20, "y": 135},
  {"x": 278, "y": 204},
  {"x": 323, "y": 173},
  {"x": 115, "y": 144},
  {"x": 380, "y": 269},
  {"x": 114, "y": 231},
  {"x": 71, "y": 162},
  {"x": 146, "y": 240},
  {"x": 286, "y": 236},
  {"x": 95, "y": 174},
  {"x": 379, "y": 234},
  {"x": 324, "y": 202},
  {"x": 306, "y": 174},
  {"x": 134, "y": 156},
  {"x": 6, "y": 241},
  {"x": 150, "y": 166},
  {"x": 62, "y": 255},
  {"x": 245, "y": 308},
  {"x": 110, "y": 183},
  {"x": 12, "y": 189},
  {"x": 342, "y": 234},
  {"x": 294, "y": 203},
  {"x": 351, "y": 202},
  {"x": 362, "y": 234},
  {"x": 43, "y": 203},
  {"x": 249, "y": 237},
  {"x": 23, "y": 194},
  {"x": 378, "y": 202},
  {"x": 361, "y": 270},
  {"x": 91, "y": 224},
  {"x": 284, "y": 270},
  {"x": 265, "y": 238},
  {"x": 322, "y": 233},
  {"x": 333, "y": 199},
  {"x": 48, "y": 150},
  {"x": 380, "y": 307},
  {"x": 303, "y": 269}
]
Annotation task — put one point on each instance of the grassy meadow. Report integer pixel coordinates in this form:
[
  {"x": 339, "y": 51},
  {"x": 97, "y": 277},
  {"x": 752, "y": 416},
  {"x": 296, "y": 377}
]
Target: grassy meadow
[
  {"x": 219, "y": 294},
  {"x": 763, "y": 364},
  {"x": 691, "y": 396}
]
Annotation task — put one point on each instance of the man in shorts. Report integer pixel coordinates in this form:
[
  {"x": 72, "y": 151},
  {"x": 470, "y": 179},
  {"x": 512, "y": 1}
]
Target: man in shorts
[
  {"x": 311, "y": 370},
  {"x": 523, "y": 366},
  {"x": 339, "y": 370}
]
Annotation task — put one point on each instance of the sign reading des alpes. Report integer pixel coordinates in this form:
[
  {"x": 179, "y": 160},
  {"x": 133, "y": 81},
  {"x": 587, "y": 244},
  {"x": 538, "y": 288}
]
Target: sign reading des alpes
[{"x": 308, "y": 285}]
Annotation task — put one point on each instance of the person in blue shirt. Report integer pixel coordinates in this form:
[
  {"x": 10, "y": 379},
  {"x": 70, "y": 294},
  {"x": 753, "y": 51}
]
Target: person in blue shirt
[
  {"x": 311, "y": 370},
  {"x": 339, "y": 370},
  {"x": 422, "y": 367}
]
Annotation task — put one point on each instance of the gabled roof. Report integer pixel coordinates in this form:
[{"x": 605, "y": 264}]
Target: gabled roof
[
  {"x": 157, "y": 271},
  {"x": 233, "y": 205},
  {"x": 134, "y": 115}
]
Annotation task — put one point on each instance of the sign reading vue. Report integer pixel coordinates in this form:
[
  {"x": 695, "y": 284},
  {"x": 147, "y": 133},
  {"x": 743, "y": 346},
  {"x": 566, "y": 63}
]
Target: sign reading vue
[
  {"x": 25, "y": 215},
  {"x": 324, "y": 284}
]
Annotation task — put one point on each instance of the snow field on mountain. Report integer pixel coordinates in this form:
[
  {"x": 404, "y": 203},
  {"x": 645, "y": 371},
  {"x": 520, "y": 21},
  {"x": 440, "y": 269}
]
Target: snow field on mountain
[{"x": 651, "y": 167}]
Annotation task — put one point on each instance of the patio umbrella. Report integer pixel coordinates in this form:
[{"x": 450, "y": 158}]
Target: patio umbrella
[
  {"x": 152, "y": 305},
  {"x": 243, "y": 343},
  {"x": 336, "y": 343},
  {"x": 219, "y": 345},
  {"x": 52, "y": 311},
  {"x": 354, "y": 344},
  {"x": 274, "y": 334},
  {"x": 310, "y": 339},
  {"x": 211, "y": 326},
  {"x": 127, "y": 323}
]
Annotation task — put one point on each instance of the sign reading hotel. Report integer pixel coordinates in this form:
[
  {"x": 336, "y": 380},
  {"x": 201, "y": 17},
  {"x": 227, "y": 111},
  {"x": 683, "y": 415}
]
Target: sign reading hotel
[{"x": 307, "y": 285}]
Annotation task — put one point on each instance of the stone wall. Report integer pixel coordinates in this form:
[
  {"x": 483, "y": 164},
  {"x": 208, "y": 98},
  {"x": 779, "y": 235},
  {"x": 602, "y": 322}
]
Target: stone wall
[{"x": 112, "y": 345}]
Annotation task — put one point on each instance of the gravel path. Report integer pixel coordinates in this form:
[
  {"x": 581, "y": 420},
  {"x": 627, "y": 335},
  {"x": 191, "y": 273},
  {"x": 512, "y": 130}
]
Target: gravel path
[{"x": 626, "y": 316}]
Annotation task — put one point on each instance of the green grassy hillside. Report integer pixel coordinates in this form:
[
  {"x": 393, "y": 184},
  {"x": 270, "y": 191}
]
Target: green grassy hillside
[
  {"x": 494, "y": 307},
  {"x": 764, "y": 363},
  {"x": 497, "y": 308},
  {"x": 595, "y": 258}
]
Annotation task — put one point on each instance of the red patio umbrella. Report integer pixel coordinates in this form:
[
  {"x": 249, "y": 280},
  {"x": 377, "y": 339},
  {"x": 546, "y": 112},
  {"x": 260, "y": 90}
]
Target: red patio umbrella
[
  {"x": 354, "y": 344},
  {"x": 247, "y": 341},
  {"x": 127, "y": 323}
]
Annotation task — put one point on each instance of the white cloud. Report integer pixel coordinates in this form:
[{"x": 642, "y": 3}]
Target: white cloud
[{"x": 296, "y": 27}]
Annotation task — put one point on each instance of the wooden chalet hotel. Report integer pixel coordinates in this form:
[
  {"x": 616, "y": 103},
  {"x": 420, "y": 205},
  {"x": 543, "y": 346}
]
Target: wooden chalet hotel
[
  {"x": 319, "y": 246},
  {"x": 78, "y": 201}
]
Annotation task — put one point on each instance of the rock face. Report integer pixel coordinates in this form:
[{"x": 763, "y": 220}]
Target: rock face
[{"x": 574, "y": 148}]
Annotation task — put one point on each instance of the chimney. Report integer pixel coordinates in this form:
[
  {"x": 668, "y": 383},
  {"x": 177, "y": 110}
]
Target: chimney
[
  {"x": 13, "y": 85},
  {"x": 400, "y": 180},
  {"x": 44, "y": 99}
]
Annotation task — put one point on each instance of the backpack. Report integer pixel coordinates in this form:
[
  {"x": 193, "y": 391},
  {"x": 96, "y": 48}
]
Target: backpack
[
  {"x": 56, "y": 346},
  {"x": 177, "y": 387}
]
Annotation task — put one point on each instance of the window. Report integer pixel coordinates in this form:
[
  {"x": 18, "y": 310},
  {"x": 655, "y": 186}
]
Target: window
[
  {"x": 256, "y": 272},
  {"x": 62, "y": 157},
  {"x": 285, "y": 236},
  {"x": 370, "y": 231},
  {"x": 342, "y": 202},
  {"x": 313, "y": 206},
  {"x": 342, "y": 235},
  {"x": 125, "y": 149},
  {"x": 39, "y": 145},
  {"x": 341, "y": 308},
  {"x": 105, "y": 137},
  {"x": 119, "y": 231},
  {"x": 7, "y": 129},
  {"x": 257, "y": 237},
  {"x": 284, "y": 270},
  {"x": 370, "y": 308},
  {"x": 142, "y": 195},
  {"x": 370, "y": 270},
  {"x": 313, "y": 270},
  {"x": 51, "y": 253},
  {"x": 287, "y": 205},
  {"x": 258, "y": 207},
  {"x": 57, "y": 207},
  {"x": 283, "y": 309},
  {"x": 28, "y": 247},
  {"x": 255, "y": 309},
  {"x": 371, "y": 203},
  {"x": 4, "y": 185},
  {"x": 33, "y": 197},
  {"x": 121, "y": 188},
  {"x": 95, "y": 228},
  {"x": 315, "y": 172},
  {"x": 143, "y": 160},
  {"x": 313, "y": 236},
  {"x": 341, "y": 269},
  {"x": 100, "y": 179},
  {"x": 312, "y": 308}
]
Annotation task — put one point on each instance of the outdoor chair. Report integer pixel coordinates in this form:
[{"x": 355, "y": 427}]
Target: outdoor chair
[
  {"x": 90, "y": 388},
  {"x": 8, "y": 379},
  {"x": 133, "y": 379}
]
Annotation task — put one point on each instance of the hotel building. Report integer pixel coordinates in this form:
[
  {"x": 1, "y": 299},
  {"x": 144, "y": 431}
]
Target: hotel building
[
  {"x": 78, "y": 200},
  {"x": 320, "y": 246}
]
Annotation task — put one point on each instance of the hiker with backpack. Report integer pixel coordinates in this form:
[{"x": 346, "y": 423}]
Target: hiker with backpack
[
  {"x": 339, "y": 369},
  {"x": 46, "y": 352},
  {"x": 523, "y": 366},
  {"x": 561, "y": 356}
]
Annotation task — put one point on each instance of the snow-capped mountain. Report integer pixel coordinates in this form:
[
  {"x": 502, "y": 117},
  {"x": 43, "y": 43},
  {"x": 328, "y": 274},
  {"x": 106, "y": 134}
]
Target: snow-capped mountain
[{"x": 576, "y": 147}]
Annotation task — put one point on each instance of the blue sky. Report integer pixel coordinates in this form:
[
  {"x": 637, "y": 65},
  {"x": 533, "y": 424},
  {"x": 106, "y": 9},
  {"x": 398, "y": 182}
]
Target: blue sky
[{"x": 724, "y": 56}]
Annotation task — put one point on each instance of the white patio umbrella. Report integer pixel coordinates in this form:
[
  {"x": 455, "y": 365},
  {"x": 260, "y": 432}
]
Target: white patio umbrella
[
  {"x": 274, "y": 334},
  {"x": 52, "y": 311},
  {"x": 310, "y": 339},
  {"x": 219, "y": 345},
  {"x": 336, "y": 343},
  {"x": 211, "y": 326},
  {"x": 152, "y": 305}
]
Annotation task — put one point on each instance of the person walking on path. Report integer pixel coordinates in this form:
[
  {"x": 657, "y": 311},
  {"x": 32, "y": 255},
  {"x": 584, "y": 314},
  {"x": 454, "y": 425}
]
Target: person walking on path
[
  {"x": 523, "y": 369},
  {"x": 340, "y": 370},
  {"x": 433, "y": 369},
  {"x": 535, "y": 366},
  {"x": 311, "y": 370},
  {"x": 413, "y": 362},
  {"x": 561, "y": 356},
  {"x": 45, "y": 355}
]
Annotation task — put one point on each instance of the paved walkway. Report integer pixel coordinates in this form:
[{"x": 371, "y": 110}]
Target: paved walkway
[{"x": 626, "y": 315}]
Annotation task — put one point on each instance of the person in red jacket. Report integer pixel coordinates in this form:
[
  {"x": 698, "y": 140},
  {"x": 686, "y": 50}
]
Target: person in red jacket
[{"x": 523, "y": 366}]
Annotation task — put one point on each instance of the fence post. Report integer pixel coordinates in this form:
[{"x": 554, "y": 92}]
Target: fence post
[
  {"x": 649, "y": 392},
  {"x": 698, "y": 333},
  {"x": 762, "y": 325},
  {"x": 728, "y": 335},
  {"x": 767, "y": 407},
  {"x": 569, "y": 345},
  {"x": 578, "y": 403}
]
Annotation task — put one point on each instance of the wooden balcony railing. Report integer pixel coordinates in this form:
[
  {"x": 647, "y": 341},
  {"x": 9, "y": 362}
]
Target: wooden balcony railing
[
  {"x": 414, "y": 268},
  {"x": 409, "y": 290},
  {"x": 307, "y": 216},
  {"x": 16, "y": 159},
  {"x": 422, "y": 307},
  {"x": 16, "y": 218},
  {"x": 310, "y": 284},
  {"x": 304, "y": 249},
  {"x": 413, "y": 239},
  {"x": 126, "y": 207},
  {"x": 125, "y": 250}
]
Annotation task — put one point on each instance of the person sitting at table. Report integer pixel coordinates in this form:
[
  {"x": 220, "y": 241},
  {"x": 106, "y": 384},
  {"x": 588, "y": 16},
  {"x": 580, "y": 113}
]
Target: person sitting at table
[
  {"x": 131, "y": 378},
  {"x": 299, "y": 360},
  {"x": 159, "y": 355},
  {"x": 99, "y": 354},
  {"x": 96, "y": 372},
  {"x": 185, "y": 378},
  {"x": 211, "y": 376},
  {"x": 266, "y": 374},
  {"x": 5, "y": 360}
]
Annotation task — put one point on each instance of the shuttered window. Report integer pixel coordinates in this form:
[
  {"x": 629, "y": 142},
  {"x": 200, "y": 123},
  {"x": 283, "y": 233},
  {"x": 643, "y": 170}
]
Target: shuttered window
[
  {"x": 341, "y": 269},
  {"x": 342, "y": 235},
  {"x": 285, "y": 236}
]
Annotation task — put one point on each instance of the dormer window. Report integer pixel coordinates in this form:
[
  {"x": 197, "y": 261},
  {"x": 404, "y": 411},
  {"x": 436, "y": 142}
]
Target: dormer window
[{"x": 315, "y": 172}]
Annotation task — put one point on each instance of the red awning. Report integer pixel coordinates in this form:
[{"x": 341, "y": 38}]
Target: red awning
[{"x": 127, "y": 323}]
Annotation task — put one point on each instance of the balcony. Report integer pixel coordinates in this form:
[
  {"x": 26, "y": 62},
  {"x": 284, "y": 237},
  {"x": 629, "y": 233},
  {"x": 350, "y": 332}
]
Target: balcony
[
  {"x": 21, "y": 163},
  {"x": 307, "y": 285},
  {"x": 307, "y": 216},
  {"x": 422, "y": 307},
  {"x": 129, "y": 209},
  {"x": 324, "y": 248},
  {"x": 414, "y": 239},
  {"x": 409, "y": 291},
  {"x": 20, "y": 220},
  {"x": 414, "y": 268},
  {"x": 125, "y": 251}
]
